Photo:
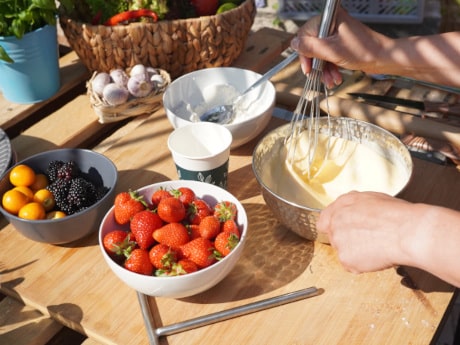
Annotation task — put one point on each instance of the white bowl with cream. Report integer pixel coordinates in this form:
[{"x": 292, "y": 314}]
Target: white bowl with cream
[{"x": 194, "y": 93}]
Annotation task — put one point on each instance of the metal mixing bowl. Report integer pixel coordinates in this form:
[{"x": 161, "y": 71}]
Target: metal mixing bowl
[{"x": 301, "y": 218}]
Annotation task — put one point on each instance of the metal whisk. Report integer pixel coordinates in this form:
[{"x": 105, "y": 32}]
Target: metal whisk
[{"x": 307, "y": 113}]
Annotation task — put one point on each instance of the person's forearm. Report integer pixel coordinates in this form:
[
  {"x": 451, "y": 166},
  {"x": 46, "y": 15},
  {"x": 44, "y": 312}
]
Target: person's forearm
[
  {"x": 431, "y": 58},
  {"x": 432, "y": 243}
]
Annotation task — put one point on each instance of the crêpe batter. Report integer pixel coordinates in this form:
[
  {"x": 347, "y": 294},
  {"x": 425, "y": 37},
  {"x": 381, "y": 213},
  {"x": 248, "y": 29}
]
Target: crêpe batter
[{"x": 348, "y": 166}]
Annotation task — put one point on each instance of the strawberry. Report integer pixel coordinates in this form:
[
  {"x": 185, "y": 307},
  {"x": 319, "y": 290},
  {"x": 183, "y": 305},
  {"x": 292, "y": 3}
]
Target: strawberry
[
  {"x": 184, "y": 194},
  {"x": 230, "y": 226},
  {"x": 171, "y": 210},
  {"x": 127, "y": 204},
  {"x": 197, "y": 210},
  {"x": 139, "y": 262},
  {"x": 162, "y": 257},
  {"x": 117, "y": 243},
  {"x": 225, "y": 242},
  {"x": 200, "y": 251},
  {"x": 158, "y": 195},
  {"x": 187, "y": 195},
  {"x": 143, "y": 224},
  {"x": 181, "y": 267},
  {"x": 184, "y": 266},
  {"x": 193, "y": 231},
  {"x": 209, "y": 227},
  {"x": 172, "y": 234},
  {"x": 225, "y": 210}
]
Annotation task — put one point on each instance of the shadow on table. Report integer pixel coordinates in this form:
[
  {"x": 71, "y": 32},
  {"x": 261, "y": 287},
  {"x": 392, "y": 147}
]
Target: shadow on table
[
  {"x": 9, "y": 270},
  {"x": 273, "y": 256},
  {"x": 65, "y": 312},
  {"x": 419, "y": 280},
  {"x": 243, "y": 184}
]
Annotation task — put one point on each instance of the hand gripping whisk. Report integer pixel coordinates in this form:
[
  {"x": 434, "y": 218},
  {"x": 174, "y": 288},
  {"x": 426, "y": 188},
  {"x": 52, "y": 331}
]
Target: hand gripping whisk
[{"x": 307, "y": 112}]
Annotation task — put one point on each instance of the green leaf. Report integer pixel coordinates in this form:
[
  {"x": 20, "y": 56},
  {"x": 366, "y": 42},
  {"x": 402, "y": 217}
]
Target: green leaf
[
  {"x": 18, "y": 17},
  {"x": 18, "y": 28},
  {"x": 44, "y": 4},
  {"x": 4, "y": 55}
]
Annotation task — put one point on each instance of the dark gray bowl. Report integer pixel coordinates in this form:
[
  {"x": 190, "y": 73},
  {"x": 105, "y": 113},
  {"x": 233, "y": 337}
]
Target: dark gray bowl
[{"x": 98, "y": 168}]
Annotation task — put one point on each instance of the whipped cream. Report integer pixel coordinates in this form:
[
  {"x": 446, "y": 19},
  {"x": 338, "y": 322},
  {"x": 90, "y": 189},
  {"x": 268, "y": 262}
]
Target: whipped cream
[{"x": 347, "y": 166}]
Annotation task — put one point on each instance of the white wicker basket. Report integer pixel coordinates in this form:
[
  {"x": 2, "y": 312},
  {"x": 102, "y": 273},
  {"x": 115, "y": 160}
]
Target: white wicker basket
[
  {"x": 382, "y": 11},
  {"x": 135, "y": 106}
]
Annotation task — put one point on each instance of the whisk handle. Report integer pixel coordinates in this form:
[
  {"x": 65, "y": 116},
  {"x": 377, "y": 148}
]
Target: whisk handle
[
  {"x": 327, "y": 26},
  {"x": 328, "y": 18}
]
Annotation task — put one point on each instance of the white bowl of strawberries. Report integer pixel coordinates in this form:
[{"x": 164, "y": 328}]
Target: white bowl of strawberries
[{"x": 173, "y": 239}]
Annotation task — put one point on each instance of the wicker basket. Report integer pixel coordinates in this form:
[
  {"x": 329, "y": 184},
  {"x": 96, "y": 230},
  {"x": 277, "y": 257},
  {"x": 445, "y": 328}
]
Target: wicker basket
[
  {"x": 177, "y": 46},
  {"x": 134, "y": 107}
]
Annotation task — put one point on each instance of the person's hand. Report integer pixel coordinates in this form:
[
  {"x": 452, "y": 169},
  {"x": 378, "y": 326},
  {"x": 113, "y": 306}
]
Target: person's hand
[
  {"x": 366, "y": 229},
  {"x": 352, "y": 45}
]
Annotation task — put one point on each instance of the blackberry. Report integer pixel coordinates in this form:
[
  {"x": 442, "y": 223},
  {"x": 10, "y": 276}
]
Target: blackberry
[
  {"x": 100, "y": 192},
  {"x": 82, "y": 194},
  {"x": 72, "y": 192},
  {"x": 60, "y": 189},
  {"x": 52, "y": 170},
  {"x": 68, "y": 170}
]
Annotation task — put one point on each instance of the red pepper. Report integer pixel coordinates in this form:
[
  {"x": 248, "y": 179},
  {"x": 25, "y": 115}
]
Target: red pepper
[{"x": 131, "y": 15}]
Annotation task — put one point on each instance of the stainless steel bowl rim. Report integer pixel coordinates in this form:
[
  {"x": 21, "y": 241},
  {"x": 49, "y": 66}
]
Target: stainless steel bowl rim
[{"x": 285, "y": 128}]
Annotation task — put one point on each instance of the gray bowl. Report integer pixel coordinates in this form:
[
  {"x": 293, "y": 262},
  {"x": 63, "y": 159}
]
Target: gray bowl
[
  {"x": 299, "y": 218},
  {"x": 98, "y": 168}
]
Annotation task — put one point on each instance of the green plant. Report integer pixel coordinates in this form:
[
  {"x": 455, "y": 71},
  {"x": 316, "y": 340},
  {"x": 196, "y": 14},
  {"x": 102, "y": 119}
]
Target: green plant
[{"x": 18, "y": 17}]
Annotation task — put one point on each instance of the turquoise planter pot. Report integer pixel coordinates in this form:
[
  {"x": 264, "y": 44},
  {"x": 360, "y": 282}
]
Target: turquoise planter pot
[{"x": 34, "y": 75}]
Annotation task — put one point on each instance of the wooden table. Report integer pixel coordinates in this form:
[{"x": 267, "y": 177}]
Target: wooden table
[{"x": 73, "y": 285}]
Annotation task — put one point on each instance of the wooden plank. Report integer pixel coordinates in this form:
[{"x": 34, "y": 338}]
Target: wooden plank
[
  {"x": 23, "y": 325},
  {"x": 90, "y": 341},
  {"x": 373, "y": 301},
  {"x": 264, "y": 48},
  {"x": 73, "y": 125},
  {"x": 67, "y": 336}
]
